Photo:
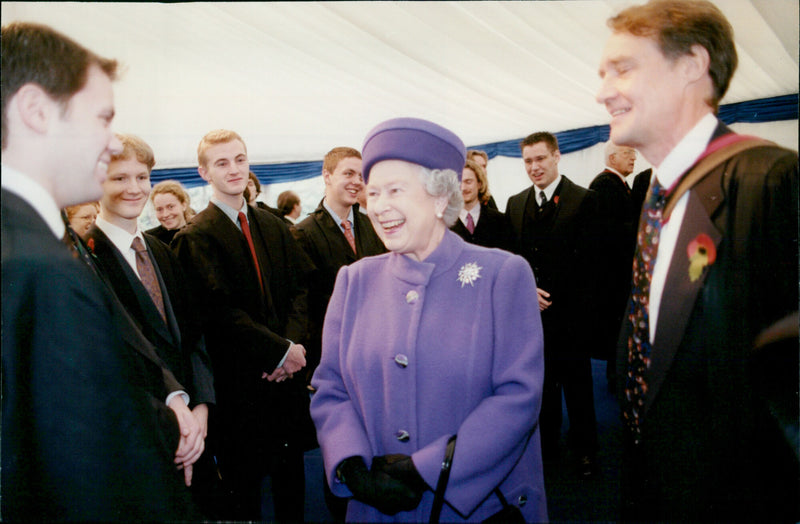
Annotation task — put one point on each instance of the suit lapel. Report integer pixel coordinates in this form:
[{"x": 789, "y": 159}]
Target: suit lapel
[
  {"x": 167, "y": 282},
  {"x": 517, "y": 211},
  {"x": 568, "y": 203},
  {"x": 330, "y": 230},
  {"x": 680, "y": 295}
]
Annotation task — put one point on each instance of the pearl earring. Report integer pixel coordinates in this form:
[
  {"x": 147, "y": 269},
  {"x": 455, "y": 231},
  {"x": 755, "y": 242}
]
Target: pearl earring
[{"x": 439, "y": 214}]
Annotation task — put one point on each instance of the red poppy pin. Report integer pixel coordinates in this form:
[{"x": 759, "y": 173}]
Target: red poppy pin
[
  {"x": 701, "y": 252},
  {"x": 555, "y": 199},
  {"x": 90, "y": 244}
]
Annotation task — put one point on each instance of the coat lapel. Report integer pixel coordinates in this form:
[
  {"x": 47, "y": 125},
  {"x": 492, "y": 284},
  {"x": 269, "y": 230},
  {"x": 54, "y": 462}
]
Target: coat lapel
[{"x": 680, "y": 294}]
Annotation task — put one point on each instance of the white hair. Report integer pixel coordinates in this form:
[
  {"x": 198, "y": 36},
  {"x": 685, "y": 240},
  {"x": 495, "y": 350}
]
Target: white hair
[{"x": 443, "y": 183}]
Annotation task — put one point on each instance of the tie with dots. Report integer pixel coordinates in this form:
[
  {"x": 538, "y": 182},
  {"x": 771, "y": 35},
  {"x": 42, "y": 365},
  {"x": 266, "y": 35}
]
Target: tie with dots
[
  {"x": 639, "y": 343},
  {"x": 348, "y": 234},
  {"x": 147, "y": 274}
]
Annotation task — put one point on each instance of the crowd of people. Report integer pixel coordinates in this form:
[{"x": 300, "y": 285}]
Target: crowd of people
[{"x": 421, "y": 338}]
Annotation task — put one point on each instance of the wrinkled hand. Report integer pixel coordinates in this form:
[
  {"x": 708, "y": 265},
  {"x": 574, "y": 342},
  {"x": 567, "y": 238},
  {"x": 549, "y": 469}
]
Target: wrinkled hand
[
  {"x": 400, "y": 467},
  {"x": 295, "y": 361},
  {"x": 377, "y": 488},
  {"x": 192, "y": 442},
  {"x": 543, "y": 295}
]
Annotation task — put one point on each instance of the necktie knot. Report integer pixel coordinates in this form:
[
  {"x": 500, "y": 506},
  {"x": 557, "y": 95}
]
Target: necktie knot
[{"x": 137, "y": 245}]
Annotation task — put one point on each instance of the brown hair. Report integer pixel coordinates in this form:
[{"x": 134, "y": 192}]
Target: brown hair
[
  {"x": 677, "y": 25},
  {"x": 542, "y": 136},
  {"x": 135, "y": 147},
  {"x": 212, "y": 138},
  {"x": 336, "y": 155},
  {"x": 286, "y": 202},
  {"x": 472, "y": 153},
  {"x": 33, "y": 53}
]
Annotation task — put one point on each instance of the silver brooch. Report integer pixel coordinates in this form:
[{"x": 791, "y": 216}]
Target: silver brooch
[{"x": 469, "y": 273}]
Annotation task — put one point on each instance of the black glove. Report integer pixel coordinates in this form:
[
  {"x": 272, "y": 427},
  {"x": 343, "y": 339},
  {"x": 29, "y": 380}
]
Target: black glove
[
  {"x": 402, "y": 468},
  {"x": 377, "y": 488}
]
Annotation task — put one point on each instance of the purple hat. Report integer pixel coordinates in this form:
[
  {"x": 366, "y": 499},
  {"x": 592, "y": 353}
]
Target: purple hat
[{"x": 413, "y": 140}]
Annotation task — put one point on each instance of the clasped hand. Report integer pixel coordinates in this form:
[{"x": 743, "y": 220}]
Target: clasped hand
[{"x": 391, "y": 485}]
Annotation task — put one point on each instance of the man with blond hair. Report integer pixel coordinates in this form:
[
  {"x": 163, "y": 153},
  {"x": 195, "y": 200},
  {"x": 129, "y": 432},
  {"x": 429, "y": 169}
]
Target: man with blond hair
[
  {"x": 250, "y": 276},
  {"x": 716, "y": 263}
]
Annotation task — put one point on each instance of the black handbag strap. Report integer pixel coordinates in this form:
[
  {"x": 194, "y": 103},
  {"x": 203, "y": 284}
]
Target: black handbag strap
[
  {"x": 444, "y": 476},
  {"x": 441, "y": 484}
]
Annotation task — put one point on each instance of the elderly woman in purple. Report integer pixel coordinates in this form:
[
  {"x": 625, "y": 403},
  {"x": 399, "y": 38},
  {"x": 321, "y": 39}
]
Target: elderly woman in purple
[{"x": 435, "y": 338}]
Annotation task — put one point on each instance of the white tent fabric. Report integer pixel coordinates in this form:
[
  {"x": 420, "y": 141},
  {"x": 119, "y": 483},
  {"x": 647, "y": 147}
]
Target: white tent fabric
[{"x": 298, "y": 78}]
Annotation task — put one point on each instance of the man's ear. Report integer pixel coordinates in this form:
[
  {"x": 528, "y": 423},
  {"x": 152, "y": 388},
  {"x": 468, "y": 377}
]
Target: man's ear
[
  {"x": 201, "y": 170},
  {"x": 696, "y": 63},
  {"x": 326, "y": 177},
  {"x": 35, "y": 107}
]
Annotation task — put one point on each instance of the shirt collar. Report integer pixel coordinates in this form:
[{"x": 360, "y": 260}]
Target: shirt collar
[
  {"x": 549, "y": 190},
  {"x": 230, "y": 212},
  {"x": 475, "y": 212},
  {"x": 36, "y": 196},
  {"x": 686, "y": 152},
  {"x": 333, "y": 214},
  {"x": 118, "y": 236}
]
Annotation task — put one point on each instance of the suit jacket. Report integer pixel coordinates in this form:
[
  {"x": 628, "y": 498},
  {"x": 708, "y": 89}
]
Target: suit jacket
[
  {"x": 615, "y": 242},
  {"x": 164, "y": 235},
  {"x": 561, "y": 262},
  {"x": 247, "y": 330},
  {"x": 490, "y": 231},
  {"x": 179, "y": 342},
  {"x": 82, "y": 439},
  {"x": 641, "y": 183},
  {"x": 710, "y": 447},
  {"x": 325, "y": 244}
]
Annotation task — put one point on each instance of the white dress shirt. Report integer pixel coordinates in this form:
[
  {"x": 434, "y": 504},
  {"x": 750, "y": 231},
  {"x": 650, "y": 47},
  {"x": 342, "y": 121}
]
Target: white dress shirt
[{"x": 681, "y": 158}]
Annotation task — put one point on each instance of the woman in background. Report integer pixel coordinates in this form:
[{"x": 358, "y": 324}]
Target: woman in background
[
  {"x": 82, "y": 216},
  {"x": 171, "y": 203},
  {"x": 436, "y": 338}
]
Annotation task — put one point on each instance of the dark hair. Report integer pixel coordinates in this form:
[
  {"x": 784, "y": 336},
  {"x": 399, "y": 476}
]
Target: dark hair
[
  {"x": 286, "y": 202},
  {"x": 677, "y": 25},
  {"x": 542, "y": 136},
  {"x": 33, "y": 53}
]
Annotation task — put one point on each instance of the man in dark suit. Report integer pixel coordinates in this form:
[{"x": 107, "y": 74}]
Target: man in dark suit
[
  {"x": 167, "y": 319},
  {"x": 716, "y": 264},
  {"x": 617, "y": 238},
  {"x": 478, "y": 223},
  {"x": 551, "y": 224},
  {"x": 84, "y": 438},
  {"x": 323, "y": 235},
  {"x": 250, "y": 274}
]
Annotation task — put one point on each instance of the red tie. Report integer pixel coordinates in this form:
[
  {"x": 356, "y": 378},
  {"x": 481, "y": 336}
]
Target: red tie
[
  {"x": 470, "y": 224},
  {"x": 348, "y": 234},
  {"x": 246, "y": 231}
]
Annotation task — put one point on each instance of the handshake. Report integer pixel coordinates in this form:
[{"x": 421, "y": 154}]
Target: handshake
[{"x": 391, "y": 485}]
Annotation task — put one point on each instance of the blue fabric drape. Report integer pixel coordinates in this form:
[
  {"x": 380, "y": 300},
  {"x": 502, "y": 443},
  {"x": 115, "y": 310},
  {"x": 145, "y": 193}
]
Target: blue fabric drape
[{"x": 753, "y": 111}]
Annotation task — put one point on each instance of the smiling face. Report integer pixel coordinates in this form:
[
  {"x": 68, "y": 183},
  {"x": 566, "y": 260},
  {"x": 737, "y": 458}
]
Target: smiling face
[
  {"x": 84, "y": 140},
  {"x": 169, "y": 210},
  {"x": 83, "y": 218},
  {"x": 642, "y": 91},
  {"x": 343, "y": 186},
  {"x": 227, "y": 170},
  {"x": 125, "y": 192},
  {"x": 541, "y": 164},
  {"x": 402, "y": 211}
]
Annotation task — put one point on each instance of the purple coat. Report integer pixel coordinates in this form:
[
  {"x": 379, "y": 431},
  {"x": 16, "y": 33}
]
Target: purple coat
[{"x": 473, "y": 355}]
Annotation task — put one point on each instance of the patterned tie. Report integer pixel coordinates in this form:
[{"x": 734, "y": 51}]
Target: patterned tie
[
  {"x": 470, "y": 224},
  {"x": 246, "y": 230},
  {"x": 348, "y": 234},
  {"x": 639, "y": 343},
  {"x": 542, "y": 200},
  {"x": 147, "y": 274}
]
